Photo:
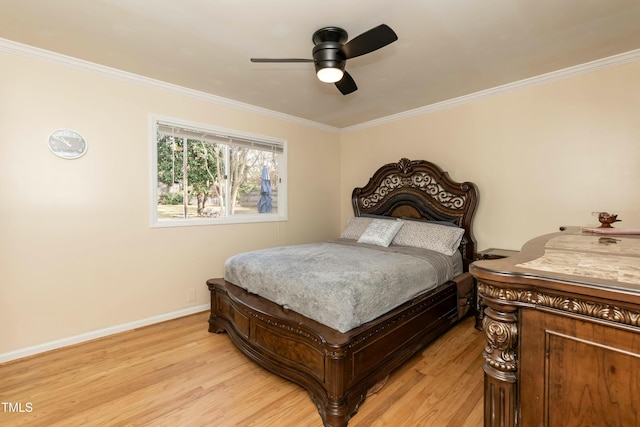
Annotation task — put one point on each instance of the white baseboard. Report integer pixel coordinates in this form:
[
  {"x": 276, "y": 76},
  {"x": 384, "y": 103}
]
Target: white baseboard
[{"x": 41, "y": 348}]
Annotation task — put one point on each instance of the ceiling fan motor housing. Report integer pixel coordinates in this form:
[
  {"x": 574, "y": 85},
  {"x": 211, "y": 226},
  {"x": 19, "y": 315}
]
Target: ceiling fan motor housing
[
  {"x": 327, "y": 50},
  {"x": 328, "y": 55}
]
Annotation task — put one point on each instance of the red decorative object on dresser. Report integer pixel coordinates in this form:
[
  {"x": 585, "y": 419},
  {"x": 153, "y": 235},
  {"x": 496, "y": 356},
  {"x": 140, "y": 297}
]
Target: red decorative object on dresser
[{"x": 337, "y": 368}]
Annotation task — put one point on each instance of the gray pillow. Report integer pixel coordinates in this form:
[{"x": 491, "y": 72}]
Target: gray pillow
[
  {"x": 427, "y": 235},
  {"x": 355, "y": 227}
]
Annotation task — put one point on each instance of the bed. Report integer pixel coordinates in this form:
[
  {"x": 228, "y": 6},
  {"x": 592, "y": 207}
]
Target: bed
[{"x": 340, "y": 360}]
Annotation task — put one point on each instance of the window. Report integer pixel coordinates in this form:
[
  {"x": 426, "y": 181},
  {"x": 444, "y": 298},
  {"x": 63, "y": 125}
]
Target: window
[{"x": 207, "y": 175}]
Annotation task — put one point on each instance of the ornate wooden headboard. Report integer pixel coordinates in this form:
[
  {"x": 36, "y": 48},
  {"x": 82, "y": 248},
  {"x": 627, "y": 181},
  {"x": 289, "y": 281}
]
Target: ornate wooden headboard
[{"x": 419, "y": 189}]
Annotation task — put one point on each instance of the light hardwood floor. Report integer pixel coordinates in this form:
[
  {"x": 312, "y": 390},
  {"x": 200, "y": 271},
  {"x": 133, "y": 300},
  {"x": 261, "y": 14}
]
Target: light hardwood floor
[{"x": 177, "y": 374}]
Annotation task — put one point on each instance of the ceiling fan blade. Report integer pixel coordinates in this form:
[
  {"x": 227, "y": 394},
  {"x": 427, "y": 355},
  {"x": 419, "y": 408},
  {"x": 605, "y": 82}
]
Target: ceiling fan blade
[
  {"x": 281, "y": 60},
  {"x": 346, "y": 85},
  {"x": 369, "y": 41}
]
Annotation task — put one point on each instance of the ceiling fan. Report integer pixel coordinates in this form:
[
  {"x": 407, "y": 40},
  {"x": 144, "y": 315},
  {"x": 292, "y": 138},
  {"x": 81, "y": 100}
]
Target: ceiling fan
[{"x": 330, "y": 53}]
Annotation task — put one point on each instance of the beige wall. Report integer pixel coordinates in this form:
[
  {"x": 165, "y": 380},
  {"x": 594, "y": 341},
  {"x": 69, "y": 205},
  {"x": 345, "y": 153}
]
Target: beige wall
[
  {"x": 77, "y": 254},
  {"x": 76, "y": 249},
  {"x": 542, "y": 156}
]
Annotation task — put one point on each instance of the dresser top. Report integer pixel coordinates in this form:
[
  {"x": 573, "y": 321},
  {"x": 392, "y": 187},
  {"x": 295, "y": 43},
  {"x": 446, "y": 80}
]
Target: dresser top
[
  {"x": 610, "y": 258},
  {"x": 593, "y": 260}
]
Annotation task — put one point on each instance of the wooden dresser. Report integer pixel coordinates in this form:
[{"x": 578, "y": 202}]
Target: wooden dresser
[{"x": 562, "y": 322}]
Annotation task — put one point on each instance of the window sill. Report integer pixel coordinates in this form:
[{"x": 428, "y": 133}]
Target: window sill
[{"x": 239, "y": 219}]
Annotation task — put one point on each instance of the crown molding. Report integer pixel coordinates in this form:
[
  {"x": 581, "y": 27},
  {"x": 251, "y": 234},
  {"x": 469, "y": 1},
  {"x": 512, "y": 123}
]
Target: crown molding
[
  {"x": 79, "y": 64},
  {"x": 611, "y": 61},
  {"x": 31, "y": 52}
]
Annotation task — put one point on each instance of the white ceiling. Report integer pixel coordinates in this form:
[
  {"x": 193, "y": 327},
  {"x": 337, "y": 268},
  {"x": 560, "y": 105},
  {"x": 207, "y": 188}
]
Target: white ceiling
[{"x": 445, "y": 48}]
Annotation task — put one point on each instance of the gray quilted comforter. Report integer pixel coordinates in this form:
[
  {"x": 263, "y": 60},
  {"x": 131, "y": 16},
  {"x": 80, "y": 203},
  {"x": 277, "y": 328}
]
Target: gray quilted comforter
[{"x": 341, "y": 283}]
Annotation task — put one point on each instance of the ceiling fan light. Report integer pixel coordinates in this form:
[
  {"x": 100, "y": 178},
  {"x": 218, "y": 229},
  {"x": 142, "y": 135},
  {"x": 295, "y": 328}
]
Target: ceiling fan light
[{"x": 330, "y": 75}]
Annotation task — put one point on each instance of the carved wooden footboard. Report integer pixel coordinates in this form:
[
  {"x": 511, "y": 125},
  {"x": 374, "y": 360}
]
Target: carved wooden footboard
[{"x": 337, "y": 369}]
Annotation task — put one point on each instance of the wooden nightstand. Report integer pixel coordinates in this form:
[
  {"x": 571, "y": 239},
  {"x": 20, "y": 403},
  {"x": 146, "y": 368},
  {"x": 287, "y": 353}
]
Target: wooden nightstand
[{"x": 491, "y": 253}]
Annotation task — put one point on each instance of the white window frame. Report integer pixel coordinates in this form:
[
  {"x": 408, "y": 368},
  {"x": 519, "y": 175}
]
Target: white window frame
[{"x": 230, "y": 134}]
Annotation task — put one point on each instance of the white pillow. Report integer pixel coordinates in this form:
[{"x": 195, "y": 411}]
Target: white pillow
[
  {"x": 436, "y": 237},
  {"x": 381, "y": 232},
  {"x": 355, "y": 227}
]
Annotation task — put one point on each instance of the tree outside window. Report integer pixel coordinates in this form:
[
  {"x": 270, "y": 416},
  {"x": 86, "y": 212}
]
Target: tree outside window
[{"x": 205, "y": 175}]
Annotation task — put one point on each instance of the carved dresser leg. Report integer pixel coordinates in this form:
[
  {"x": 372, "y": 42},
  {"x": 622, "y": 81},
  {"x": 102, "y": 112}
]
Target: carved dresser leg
[
  {"x": 500, "y": 367},
  {"x": 479, "y": 312}
]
